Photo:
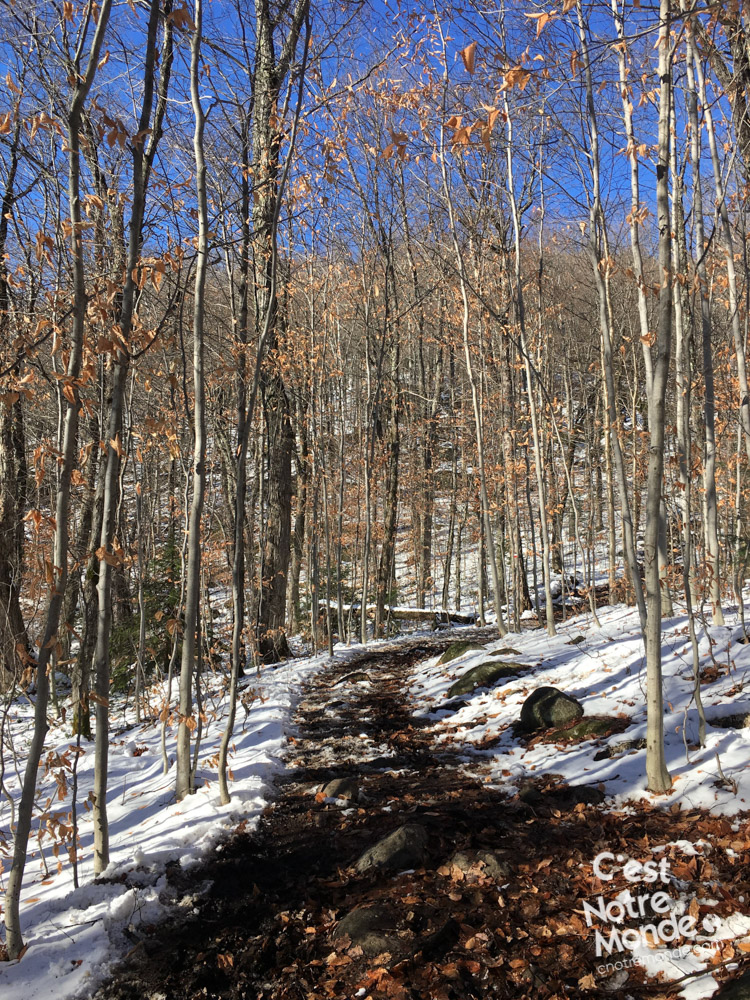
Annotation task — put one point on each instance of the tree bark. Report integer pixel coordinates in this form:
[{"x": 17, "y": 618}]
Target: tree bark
[
  {"x": 270, "y": 74},
  {"x": 656, "y": 768},
  {"x": 109, "y": 561},
  {"x": 183, "y": 770},
  {"x": 600, "y": 267},
  {"x": 14, "y": 643}
]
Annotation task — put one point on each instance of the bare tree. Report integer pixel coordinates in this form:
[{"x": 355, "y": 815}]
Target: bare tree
[
  {"x": 656, "y": 768},
  {"x": 143, "y": 153},
  {"x": 183, "y": 772},
  {"x": 83, "y": 76}
]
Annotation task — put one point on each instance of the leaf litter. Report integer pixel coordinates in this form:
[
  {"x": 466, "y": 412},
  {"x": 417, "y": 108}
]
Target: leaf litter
[{"x": 266, "y": 926}]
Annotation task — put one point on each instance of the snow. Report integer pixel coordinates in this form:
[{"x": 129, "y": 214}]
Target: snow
[
  {"x": 75, "y": 935},
  {"x": 606, "y": 672}
]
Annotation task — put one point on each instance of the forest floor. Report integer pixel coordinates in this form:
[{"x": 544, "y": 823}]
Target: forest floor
[{"x": 484, "y": 898}]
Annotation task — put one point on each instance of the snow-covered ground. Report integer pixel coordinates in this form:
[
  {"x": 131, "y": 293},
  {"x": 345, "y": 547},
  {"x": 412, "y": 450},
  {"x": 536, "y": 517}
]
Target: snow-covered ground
[
  {"x": 606, "y": 672},
  {"x": 604, "y": 669},
  {"x": 74, "y": 935}
]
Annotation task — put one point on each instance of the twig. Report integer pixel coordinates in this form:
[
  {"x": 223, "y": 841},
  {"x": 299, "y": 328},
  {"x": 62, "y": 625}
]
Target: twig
[{"x": 729, "y": 782}]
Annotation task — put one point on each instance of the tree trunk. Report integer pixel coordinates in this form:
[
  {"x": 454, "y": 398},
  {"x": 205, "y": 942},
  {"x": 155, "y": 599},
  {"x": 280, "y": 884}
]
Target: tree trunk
[
  {"x": 600, "y": 268},
  {"x": 14, "y": 649},
  {"x": 302, "y": 466},
  {"x": 272, "y": 642},
  {"x": 489, "y": 538},
  {"x": 183, "y": 770},
  {"x": 656, "y": 768},
  {"x": 521, "y": 319},
  {"x": 267, "y": 136},
  {"x": 111, "y": 576},
  {"x": 683, "y": 380},
  {"x": 14, "y": 644}
]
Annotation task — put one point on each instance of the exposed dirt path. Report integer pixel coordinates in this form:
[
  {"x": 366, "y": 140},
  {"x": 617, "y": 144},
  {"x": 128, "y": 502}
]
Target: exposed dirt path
[{"x": 508, "y": 925}]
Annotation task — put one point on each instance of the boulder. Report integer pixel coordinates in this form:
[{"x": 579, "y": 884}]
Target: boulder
[
  {"x": 739, "y": 720},
  {"x": 457, "y": 649},
  {"x": 483, "y": 675},
  {"x": 624, "y": 746},
  {"x": 561, "y": 798},
  {"x": 738, "y": 989},
  {"x": 406, "y": 847},
  {"x": 576, "y": 640},
  {"x": 341, "y": 788},
  {"x": 530, "y": 794},
  {"x": 548, "y": 707},
  {"x": 372, "y": 928},
  {"x": 586, "y": 729},
  {"x": 487, "y": 863},
  {"x": 355, "y": 675},
  {"x": 436, "y": 945},
  {"x": 570, "y": 796},
  {"x": 505, "y": 651}
]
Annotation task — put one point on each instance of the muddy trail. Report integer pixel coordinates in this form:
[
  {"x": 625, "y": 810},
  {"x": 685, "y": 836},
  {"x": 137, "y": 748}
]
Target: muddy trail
[{"x": 477, "y": 893}]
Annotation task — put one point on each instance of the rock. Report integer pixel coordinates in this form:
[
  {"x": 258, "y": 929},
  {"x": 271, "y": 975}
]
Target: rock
[
  {"x": 570, "y": 796},
  {"x": 457, "y": 649},
  {"x": 483, "y": 675},
  {"x": 615, "y": 982},
  {"x": 370, "y": 927},
  {"x": 488, "y": 863},
  {"x": 547, "y": 707},
  {"x": 530, "y": 794},
  {"x": 739, "y": 720},
  {"x": 576, "y": 640},
  {"x": 175, "y": 877},
  {"x": 624, "y": 746},
  {"x": 434, "y": 946},
  {"x": 456, "y": 706},
  {"x": 738, "y": 989},
  {"x": 562, "y": 798},
  {"x": 586, "y": 729},
  {"x": 341, "y": 788},
  {"x": 355, "y": 675},
  {"x": 505, "y": 651},
  {"x": 404, "y": 848}
]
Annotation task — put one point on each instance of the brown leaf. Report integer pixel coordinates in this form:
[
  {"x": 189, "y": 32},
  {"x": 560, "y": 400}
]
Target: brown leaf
[
  {"x": 103, "y": 555},
  {"x": 467, "y": 55},
  {"x": 517, "y": 76},
  {"x": 181, "y": 19},
  {"x": 541, "y": 20}
]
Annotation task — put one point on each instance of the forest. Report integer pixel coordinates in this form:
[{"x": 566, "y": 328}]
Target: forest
[{"x": 321, "y": 322}]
